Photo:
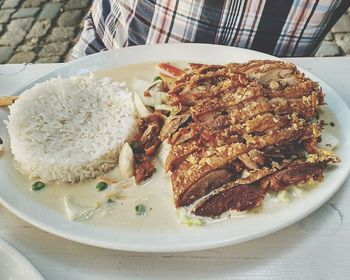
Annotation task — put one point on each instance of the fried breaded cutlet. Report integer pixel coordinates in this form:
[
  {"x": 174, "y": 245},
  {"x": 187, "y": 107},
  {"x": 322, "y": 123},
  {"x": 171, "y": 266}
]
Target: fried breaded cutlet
[{"x": 242, "y": 130}]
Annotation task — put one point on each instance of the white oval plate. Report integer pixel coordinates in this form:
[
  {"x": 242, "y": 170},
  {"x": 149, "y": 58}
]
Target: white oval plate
[
  {"x": 186, "y": 239},
  {"x": 13, "y": 265}
]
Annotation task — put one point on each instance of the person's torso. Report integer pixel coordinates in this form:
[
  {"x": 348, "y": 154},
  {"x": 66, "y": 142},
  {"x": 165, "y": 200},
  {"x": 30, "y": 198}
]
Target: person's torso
[{"x": 282, "y": 28}]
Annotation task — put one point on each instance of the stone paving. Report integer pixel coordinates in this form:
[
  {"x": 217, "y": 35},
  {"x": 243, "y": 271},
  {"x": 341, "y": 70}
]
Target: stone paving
[
  {"x": 337, "y": 41},
  {"x": 39, "y": 31},
  {"x": 43, "y": 31}
]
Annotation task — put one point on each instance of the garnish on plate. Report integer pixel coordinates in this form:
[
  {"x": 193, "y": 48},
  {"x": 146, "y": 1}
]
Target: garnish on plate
[
  {"x": 140, "y": 209},
  {"x": 37, "y": 186},
  {"x": 101, "y": 186}
]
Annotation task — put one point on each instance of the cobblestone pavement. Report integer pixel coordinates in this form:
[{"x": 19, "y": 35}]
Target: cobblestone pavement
[
  {"x": 39, "y": 31},
  {"x": 337, "y": 41},
  {"x": 43, "y": 31}
]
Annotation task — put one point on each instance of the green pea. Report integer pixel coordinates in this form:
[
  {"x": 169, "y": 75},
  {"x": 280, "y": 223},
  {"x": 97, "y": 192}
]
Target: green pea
[
  {"x": 37, "y": 186},
  {"x": 101, "y": 186},
  {"x": 156, "y": 79},
  {"x": 140, "y": 209}
]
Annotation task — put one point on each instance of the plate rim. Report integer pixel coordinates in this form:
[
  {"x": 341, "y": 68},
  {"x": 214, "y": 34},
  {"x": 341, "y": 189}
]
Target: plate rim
[
  {"x": 169, "y": 247},
  {"x": 13, "y": 252}
]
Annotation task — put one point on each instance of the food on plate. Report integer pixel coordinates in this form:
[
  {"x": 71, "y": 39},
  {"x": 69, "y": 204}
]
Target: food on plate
[
  {"x": 238, "y": 132},
  {"x": 140, "y": 209},
  {"x": 145, "y": 145},
  {"x": 126, "y": 161},
  {"x": 7, "y": 100},
  {"x": 140, "y": 107},
  {"x": 70, "y": 129},
  {"x": 75, "y": 210},
  {"x": 223, "y": 138},
  {"x": 101, "y": 186},
  {"x": 37, "y": 186}
]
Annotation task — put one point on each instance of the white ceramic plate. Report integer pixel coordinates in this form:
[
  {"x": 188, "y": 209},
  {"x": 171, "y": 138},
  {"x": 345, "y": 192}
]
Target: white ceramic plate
[
  {"x": 184, "y": 239},
  {"x": 13, "y": 265}
]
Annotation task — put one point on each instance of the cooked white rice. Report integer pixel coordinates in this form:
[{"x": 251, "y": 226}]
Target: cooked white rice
[{"x": 66, "y": 130}]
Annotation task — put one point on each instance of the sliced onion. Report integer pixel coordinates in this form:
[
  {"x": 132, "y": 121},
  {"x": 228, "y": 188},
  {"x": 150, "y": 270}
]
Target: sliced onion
[
  {"x": 76, "y": 211},
  {"x": 328, "y": 141},
  {"x": 140, "y": 107},
  {"x": 126, "y": 161}
]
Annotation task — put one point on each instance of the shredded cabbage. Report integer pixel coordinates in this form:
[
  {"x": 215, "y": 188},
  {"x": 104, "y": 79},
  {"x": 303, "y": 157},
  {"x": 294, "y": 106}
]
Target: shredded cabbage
[
  {"x": 187, "y": 220},
  {"x": 154, "y": 89}
]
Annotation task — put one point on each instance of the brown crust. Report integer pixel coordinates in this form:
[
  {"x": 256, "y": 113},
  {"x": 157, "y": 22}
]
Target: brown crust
[
  {"x": 241, "y": 198},
  {"x": 259, "y": 116},
  {"x": 206, "y": 184},
  {"x": 144, "y": 167},
  {"x": 202, "y": 162},
  {"x": 228, "y": 198},
  {"x": 149, "y": 131},
  {"x": 293, "y": 175}
]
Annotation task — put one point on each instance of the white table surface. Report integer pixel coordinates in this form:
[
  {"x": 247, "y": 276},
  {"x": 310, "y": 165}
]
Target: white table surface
[{"x": 317, "y": 247}]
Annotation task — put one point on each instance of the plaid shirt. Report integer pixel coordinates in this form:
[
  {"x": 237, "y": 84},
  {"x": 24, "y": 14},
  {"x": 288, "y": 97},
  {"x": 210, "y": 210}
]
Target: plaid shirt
[{"x": 278, "y": 27}]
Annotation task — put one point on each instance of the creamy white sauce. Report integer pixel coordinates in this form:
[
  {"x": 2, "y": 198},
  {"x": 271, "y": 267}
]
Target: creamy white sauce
[{"x": 155, "y": 193}]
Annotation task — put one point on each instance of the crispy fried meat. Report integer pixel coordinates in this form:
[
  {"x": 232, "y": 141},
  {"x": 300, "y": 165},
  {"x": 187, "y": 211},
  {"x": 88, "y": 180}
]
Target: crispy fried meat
[
  {"x": 293, "y": 175},
  {"x": 206, "y": 184},
  {"x": 202, "y": 162},
  {"x": 149, "y": 129},
  {"x": 237, "y": 196},
  {"x": 144, "y": 167},
  {"x": 242, "y": 130},
  {"x": 207, "y": 85},
  {"x": 172, "y": 125},
  {"x": 241, "y": 198}
]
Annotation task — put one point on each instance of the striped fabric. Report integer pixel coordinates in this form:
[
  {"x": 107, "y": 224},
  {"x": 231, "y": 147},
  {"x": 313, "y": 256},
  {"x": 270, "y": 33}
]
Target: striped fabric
[{"x": 278, "y": 27}]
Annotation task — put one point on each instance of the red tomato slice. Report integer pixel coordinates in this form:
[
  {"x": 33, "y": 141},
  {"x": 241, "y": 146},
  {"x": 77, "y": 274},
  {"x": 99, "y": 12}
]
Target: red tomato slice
[{"x": 170, "y": 70}]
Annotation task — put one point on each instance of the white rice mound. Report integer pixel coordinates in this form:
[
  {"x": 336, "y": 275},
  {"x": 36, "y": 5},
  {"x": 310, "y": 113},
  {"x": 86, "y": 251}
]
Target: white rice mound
[{"x": 70, "y": 129}]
